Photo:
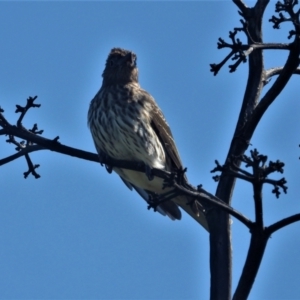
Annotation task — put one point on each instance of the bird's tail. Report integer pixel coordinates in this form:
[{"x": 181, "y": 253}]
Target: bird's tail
[
  {"x": 187, "y": 203},
  {"x": 170, "y": 209},
  {"x": 193, "y": 208}
]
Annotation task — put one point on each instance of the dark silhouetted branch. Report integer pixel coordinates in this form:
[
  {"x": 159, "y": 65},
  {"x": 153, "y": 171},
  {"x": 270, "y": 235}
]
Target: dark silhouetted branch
[{"x": 282, "y": 223}]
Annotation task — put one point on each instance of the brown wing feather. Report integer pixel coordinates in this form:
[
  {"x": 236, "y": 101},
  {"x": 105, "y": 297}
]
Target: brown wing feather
[
  {"x": 163, "y": 131},
  {"x": 173, "y": 161}
]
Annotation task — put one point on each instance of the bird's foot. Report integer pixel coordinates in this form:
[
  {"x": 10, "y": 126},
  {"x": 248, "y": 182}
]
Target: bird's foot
[
  {"x": 153, "y": 201},
  {"x": 108, "y": 169},
  {"x": 148, "y": 172},
  {"x": 103, "y": 157},
  {"x": 170, "y": 181},
  {"x": 181, "y": 179},
  {"x": 177, "y": 176}
]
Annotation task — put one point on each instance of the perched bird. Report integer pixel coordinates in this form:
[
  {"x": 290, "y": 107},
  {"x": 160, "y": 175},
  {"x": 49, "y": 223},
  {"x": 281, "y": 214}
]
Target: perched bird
[{"x": 127, "y": 124}]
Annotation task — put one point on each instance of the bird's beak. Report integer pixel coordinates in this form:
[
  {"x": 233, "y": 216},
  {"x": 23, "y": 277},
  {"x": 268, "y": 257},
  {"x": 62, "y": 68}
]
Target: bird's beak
[{"x": 129, "y": 59}]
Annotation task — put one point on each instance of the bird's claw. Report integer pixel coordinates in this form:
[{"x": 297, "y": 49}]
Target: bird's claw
[
  {"x": 108, "y": 169},
  {"x": 148, "y": 172},
  {"x": 152, "y": 202},
  {"x": 181, "y": 175},
  {"x": 103, "y": 158}
]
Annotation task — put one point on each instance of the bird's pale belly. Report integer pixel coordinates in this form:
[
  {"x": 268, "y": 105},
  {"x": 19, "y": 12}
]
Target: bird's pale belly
[{"x": 141, "y": 180}]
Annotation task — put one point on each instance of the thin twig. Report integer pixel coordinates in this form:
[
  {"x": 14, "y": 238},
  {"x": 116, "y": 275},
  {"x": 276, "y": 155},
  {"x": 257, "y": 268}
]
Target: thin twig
[{"x": 22, "y": 152}]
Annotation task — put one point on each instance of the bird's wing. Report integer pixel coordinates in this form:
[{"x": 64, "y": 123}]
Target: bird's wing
[{"x": 163, "y": 131}]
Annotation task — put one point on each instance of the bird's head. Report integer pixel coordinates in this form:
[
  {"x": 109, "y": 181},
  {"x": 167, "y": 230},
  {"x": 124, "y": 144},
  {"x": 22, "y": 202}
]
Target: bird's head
[{"x": 120, "y": 67}]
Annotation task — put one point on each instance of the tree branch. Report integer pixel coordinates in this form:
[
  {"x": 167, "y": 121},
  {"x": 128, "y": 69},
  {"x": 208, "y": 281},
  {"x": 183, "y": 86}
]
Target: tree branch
[
  {"x": 285, "y": 74},
  {"x": 282, "y": 223},
  {"x": 220, "y": 240},
  {"x": 21, "y": 153},
  {"x": 255, "y": 254},
  {"x": 277, "y": 71},
  {"x": 208, "y": 198},
  {"x": 241, "y": 5}
]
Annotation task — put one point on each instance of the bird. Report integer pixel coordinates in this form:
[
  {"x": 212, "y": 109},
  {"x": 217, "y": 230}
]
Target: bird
[{"x": 126, "y": 123}]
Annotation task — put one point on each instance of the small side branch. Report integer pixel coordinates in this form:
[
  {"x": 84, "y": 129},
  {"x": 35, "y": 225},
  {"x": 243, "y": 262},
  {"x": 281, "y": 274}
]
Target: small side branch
[
  {"x": 258, "y": 177},
  {"x": 21, "y": 153},
  {"x": 31, "y": 168},
  {"x": 277, "y": 71},
  {"x": 260, "y": 171},
  {"x": 240, "y": 51},
  {"x": 258, "y": 243},
  {"x": 241, "y": 5},
  {"x": 282, "y": 223},
  {"x": 23, "y": 109},
  {"x": 287, "y": 7}
]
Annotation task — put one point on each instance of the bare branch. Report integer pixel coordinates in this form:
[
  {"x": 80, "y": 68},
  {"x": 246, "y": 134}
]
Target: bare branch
[
  {"x": 284, "y": 76},
  {"x": 23, "y": 109},
  {"x": 240, "y": 51},
  {"x": 256, "y": 251},
  {"x": 277, "y": 71},
  {"x": 260, "y": 171},
  {"x": 31, "y": 168},
  {"x": 241, "y": 5},
  {"x": 282, "y": 223},
  {"x": 206, "y": 197},
  {"x": 255, "y": 254},
  {"x": 287, "y": 7},
  {"x": 3, "y": 121},
  {"x": 21, "y": 153},
  {"x": 219, "y": 225},
  {"x": 51, "y": 144}
]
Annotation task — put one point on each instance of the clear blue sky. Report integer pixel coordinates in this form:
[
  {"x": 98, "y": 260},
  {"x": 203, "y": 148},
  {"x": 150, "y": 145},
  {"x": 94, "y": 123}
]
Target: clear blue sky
[{"x": 78, "y": 232}]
